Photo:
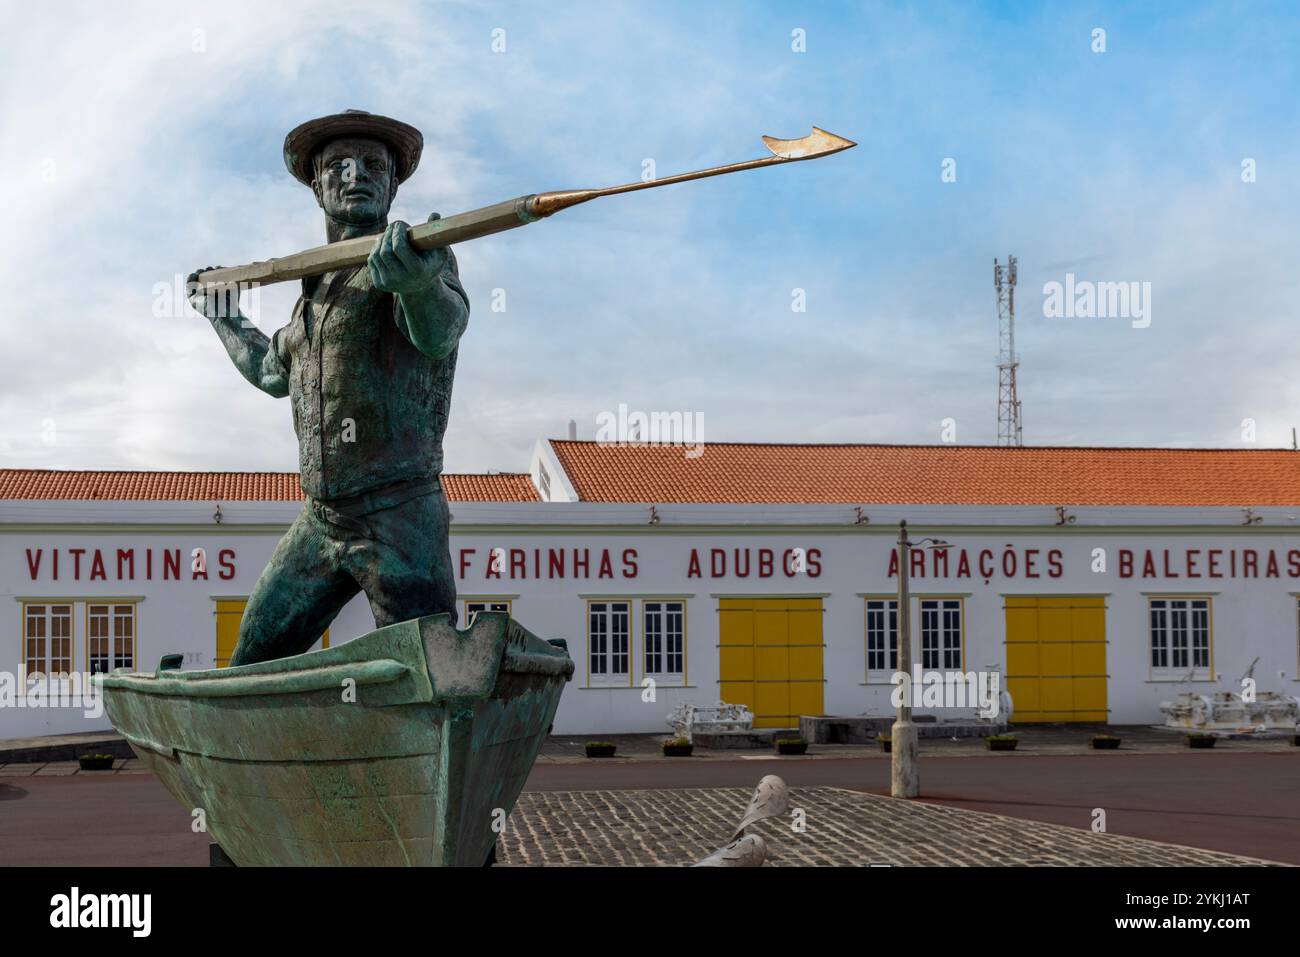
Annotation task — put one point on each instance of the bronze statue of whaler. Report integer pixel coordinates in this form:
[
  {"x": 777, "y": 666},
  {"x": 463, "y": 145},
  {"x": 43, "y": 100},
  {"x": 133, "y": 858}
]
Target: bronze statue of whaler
[{"x": 367, "y": 361}]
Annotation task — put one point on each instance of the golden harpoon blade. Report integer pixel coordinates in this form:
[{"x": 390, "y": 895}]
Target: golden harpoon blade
[{"x": 501, "y": 216}]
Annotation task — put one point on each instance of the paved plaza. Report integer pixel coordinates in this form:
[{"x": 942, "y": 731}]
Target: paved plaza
[
  {"x": 840, "y": 828},
  {"x": 1164, "y": 805}
]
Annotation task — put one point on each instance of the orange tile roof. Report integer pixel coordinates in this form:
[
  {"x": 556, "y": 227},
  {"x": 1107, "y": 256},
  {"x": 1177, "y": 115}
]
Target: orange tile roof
[
  {"x": 45, "y": 484},
  {"x": 499, "y": 487},
  {"x": 736, "y": 473}
]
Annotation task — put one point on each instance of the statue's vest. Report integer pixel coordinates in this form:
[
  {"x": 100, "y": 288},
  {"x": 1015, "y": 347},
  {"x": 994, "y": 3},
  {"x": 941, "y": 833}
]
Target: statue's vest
[{"x": 369, "y": 408}]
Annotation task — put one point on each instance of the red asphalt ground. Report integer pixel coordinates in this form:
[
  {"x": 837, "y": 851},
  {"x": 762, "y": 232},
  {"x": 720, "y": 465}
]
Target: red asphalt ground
[{"x": 1238, "y": 803}]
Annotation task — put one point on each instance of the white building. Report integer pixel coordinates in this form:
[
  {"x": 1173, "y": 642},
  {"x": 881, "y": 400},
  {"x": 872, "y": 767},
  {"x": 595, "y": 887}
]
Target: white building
[{"x": 1098, "y": 581}]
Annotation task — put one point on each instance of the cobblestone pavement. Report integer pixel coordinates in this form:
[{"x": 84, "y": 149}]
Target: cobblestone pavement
[{"x": 842, "y": 828}]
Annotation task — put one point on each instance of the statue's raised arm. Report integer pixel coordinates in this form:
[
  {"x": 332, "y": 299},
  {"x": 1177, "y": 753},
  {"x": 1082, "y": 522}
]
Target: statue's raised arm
[{"x": 250, "y": 349}]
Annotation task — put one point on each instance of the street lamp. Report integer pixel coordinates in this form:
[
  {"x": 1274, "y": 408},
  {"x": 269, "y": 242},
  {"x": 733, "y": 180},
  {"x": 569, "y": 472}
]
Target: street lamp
[{"x": 904, "y": 776}]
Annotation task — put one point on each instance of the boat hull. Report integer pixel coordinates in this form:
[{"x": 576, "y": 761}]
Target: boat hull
[{"x": 405, "y": 747}]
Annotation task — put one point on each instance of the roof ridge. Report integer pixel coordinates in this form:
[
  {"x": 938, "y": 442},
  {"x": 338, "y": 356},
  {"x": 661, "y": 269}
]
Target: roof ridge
[
  {"x": 71, "y": 471},
  {"x": 936, "y": 445}
]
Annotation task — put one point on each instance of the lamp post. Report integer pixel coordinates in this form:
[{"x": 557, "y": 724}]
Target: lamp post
[{"x": 904, "y": 775}]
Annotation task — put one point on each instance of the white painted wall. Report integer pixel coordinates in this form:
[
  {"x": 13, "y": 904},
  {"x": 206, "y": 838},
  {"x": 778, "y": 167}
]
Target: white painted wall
[{"x": 1250, "y": 616}]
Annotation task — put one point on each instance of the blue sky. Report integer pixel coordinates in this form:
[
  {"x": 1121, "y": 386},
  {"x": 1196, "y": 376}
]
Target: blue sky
[{"x": 137, "y": 157}]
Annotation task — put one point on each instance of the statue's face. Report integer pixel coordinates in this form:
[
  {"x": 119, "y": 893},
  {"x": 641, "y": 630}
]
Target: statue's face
[{"x": 355, "y": 180}]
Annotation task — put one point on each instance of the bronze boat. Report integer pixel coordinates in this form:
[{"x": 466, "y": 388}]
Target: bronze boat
[{"x": 406, "y": 746}]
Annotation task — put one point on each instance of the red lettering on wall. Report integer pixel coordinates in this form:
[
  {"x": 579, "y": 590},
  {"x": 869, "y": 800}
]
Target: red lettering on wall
[
  {"x": 226, "y": 564},
  {"x": 737, "y": 554},
  {"x": 1055, "y": 567},
  {"x": 963, "y": 565},
  {"x": 1030, "y": 554},
  {"x": 1213, "y": 557},
  {"x": 1125, "y": 563},
  {"x": 1169, "y": 573}
]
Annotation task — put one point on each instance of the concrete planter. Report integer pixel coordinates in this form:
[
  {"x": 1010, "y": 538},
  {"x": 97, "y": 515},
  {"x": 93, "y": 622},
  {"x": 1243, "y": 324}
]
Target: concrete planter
[
  {"x": 791, "y": 746},
  {"x": 96, "y": 762},
  {"x": 600, "y": 749},
  {"x": 1104, "y": 742},
  {"x": 995, "y": 743},
  {"x": 672, "y": 750}
]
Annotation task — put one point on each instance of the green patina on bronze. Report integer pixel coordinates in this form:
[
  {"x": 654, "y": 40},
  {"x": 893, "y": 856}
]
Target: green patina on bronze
[
  {"x": 367, "y": 361},
  {"x": 407, "y": 746},
  {"x": 410, "y": 744}
]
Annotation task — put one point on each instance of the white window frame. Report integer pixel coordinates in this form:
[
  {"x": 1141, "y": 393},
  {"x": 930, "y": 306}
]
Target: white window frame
[
  {"x": 608, "y": 648},
  {"x": 661, "y": 611},
  {"x": 944, "y": 650},
  {"x": 884, "y": 617},
  {"x": 47, "y": 618},
  {"x": 114, "y": 618},
  {"x": 1172, "y": 632}
]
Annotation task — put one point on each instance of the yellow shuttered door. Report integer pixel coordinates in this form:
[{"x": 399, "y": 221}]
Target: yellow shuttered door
[
  {"x": 1056, "y": 658},
  {"x": 230, "y": 611},
  {"x": 770, "y": 657}
]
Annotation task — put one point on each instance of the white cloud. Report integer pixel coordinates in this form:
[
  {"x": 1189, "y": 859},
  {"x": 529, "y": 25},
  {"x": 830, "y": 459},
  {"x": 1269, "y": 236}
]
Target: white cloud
[{"x": 166, "y": 159}]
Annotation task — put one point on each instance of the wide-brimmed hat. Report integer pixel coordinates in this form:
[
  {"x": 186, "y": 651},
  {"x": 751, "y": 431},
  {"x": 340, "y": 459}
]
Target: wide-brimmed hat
[{"x": 304, "y": 142}]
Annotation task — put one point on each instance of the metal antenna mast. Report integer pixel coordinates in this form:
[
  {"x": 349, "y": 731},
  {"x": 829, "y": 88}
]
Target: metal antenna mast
[{"x": 1004, "y": 281}]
